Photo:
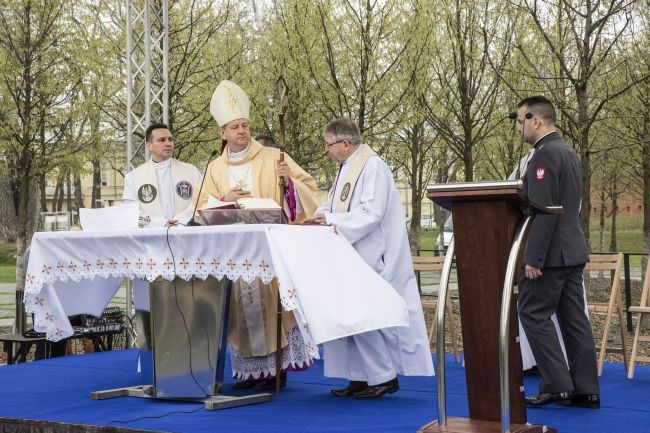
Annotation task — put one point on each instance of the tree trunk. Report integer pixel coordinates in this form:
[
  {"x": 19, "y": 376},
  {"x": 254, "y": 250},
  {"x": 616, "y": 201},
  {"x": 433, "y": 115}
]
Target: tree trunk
[
  {"x": 586, "y": 195},
  {"x": 68, "y": 193},
  {"x": 601, "y": 222},
  {"x": 97, "y": 184},
  {"x": 613, "y": 242},
  {"x": 7, "y": 211},
  {"x": 41, "y": 186},
  {"x": 22, "y": 229},
  {"x": 57, "y": 197},
  {"x": 646, "y": 192},
  {"x": 468, "y": 164},
  {"x": 28, "y": 221},
  {"x": 78, "y": 196},
  {"x": 415, "y": 231}
]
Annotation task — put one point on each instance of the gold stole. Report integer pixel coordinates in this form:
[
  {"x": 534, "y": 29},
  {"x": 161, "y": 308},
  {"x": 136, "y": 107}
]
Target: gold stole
[{"x": 342, "y": 202}]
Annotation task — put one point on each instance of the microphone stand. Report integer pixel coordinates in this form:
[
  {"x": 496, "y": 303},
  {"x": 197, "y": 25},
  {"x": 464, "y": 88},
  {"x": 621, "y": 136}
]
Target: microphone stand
[
  {"x": 527, "y": 116},
  {"x": 192, "y": 222}
]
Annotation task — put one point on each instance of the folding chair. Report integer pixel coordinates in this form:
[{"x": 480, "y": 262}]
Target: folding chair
[
  {"x": 434, "y": 264},
  {"x": 614, "y": 305},
  {"x": 642, "y": 309}
]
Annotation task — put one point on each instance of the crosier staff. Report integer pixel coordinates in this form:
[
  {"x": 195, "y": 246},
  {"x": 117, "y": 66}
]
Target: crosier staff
[{"x": 282, "y": 90}]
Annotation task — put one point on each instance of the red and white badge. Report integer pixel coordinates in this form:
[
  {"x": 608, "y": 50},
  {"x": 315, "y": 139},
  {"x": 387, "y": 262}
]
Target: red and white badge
[{"x": 540, "y": 171}]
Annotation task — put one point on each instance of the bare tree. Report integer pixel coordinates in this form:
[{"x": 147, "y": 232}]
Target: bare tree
[
  {"x": 469, "y": 53},
  {"x": 574, "y": 60},
  {"x": 36, "y": 77}
]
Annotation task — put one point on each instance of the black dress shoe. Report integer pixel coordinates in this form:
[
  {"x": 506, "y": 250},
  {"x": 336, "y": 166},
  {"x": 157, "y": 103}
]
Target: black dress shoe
[
  {"x": 590, "y": 401},
  {"x": 544, "y": 398},
  {"x": 247, "y": 384},
  {"x": 269, "y": 384},
  {"x": 353, "y": 387},
  {"x": 376, "y": 391}
]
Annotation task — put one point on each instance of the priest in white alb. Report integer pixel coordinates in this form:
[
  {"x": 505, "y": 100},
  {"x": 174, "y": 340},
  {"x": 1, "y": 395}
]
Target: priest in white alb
[
  {"x": 164, "y": 188},
  {"x": 248, "y": 169},
  {"x": 365, "y": 207}
]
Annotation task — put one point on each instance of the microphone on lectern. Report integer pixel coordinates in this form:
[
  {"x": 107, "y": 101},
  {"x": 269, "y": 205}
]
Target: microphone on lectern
[{"x": 192, "y": 221}]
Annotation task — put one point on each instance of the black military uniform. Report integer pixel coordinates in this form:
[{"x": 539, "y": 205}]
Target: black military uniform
[{"x": 557, "y": 245}]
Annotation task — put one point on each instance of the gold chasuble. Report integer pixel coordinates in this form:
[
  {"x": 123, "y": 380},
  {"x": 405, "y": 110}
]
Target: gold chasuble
[
  {"x": 247, "y": 334},
  {"x": 264, "y": 163}
]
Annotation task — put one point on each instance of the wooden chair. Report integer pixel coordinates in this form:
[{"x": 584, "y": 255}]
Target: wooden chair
[
  {"x": 642, "y": 309},
  {"x": 434, "y": 264},
  {"x": 614, "y": 306}
]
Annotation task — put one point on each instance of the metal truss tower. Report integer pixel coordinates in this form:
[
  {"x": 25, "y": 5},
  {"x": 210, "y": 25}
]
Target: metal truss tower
[
  {"x": 147, "y": 84},
  {"x": 147, "y": 75}
]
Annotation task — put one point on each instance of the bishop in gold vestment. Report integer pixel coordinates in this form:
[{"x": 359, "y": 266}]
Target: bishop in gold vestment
[{"x": 248, "y": 169}]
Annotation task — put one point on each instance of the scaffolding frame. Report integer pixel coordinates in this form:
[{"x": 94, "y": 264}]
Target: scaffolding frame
[
  {"x": 147, "y": 73},
  {"x": 147, "y": 84}
]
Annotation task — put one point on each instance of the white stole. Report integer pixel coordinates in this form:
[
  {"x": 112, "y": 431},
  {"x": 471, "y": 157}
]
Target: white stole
[
  {"x": 341, "y": 203},
  {"x": 148, "y": 191}
]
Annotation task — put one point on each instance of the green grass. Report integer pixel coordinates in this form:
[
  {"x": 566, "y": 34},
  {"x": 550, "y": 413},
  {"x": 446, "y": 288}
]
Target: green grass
[
  {"x": 626, "y": 241},
  {"x": 629, "y": 237},
  {"x": 8, "y": 273},
  {"x": 622, "y": 223},
  {"x": 7, "y": 253},
  {"x": 428, "y": 239},
  {"x": 7, "y": 262}
]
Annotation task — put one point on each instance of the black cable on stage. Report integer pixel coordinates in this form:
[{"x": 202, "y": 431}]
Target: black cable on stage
[
  {"x": 153, "y": 417},
  {"x": 205, "y": 328},
  {"x": 187, "y": 332}
]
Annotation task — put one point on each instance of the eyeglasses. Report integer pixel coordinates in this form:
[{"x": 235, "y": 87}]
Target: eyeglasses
[{"x": 333, "y": 143}]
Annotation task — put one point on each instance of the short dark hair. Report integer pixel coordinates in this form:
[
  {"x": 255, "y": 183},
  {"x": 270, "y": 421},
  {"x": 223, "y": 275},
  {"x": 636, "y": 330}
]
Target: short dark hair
[
  {"x": 266, "y": 138},
  {"x": 540, "y": 106},
  {"x": 343, "y": 128},
  {"x": 151, "y": 128}
]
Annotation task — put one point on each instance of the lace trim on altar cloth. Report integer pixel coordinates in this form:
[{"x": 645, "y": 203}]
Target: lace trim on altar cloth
[
  {"x": 150, "y": 269},
  {"x": 295, "y": 357}
]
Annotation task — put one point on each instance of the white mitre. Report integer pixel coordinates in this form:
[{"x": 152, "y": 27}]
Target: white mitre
[{"x": 229, "y": 102}]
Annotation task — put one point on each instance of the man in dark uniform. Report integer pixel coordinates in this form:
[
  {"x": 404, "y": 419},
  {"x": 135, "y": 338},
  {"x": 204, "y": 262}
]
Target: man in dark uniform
[{"x": 554, "y": 259}]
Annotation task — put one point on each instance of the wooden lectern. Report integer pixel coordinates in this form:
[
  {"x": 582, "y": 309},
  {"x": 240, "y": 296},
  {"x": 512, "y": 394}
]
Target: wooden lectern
[{"x": 486, "y": 217}]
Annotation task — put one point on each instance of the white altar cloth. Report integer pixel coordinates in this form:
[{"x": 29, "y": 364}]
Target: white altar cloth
[{"x": 331, "y": 290}]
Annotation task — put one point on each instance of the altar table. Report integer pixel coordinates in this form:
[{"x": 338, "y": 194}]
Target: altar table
[{"x": 331, "y": 290}]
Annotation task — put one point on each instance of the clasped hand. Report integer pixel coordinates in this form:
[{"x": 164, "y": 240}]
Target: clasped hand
[
  {"x": 317, "y": 218},
  {"x": 532, "y": 273},
  {"x": 284, "y": 172},
  {"x": 235, "y": 194}
]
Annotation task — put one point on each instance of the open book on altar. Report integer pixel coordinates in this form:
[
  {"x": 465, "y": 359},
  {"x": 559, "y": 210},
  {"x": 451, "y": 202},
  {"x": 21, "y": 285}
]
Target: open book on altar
[
  {"x": 242, "y": 203},
  {"x": 246, "y": 210}
]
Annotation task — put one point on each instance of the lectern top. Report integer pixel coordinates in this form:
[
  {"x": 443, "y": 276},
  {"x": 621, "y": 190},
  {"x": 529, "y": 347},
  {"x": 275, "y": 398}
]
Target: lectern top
[
  {"x": 445, "y": 194},
  {"x": 476, "y": 186}
]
